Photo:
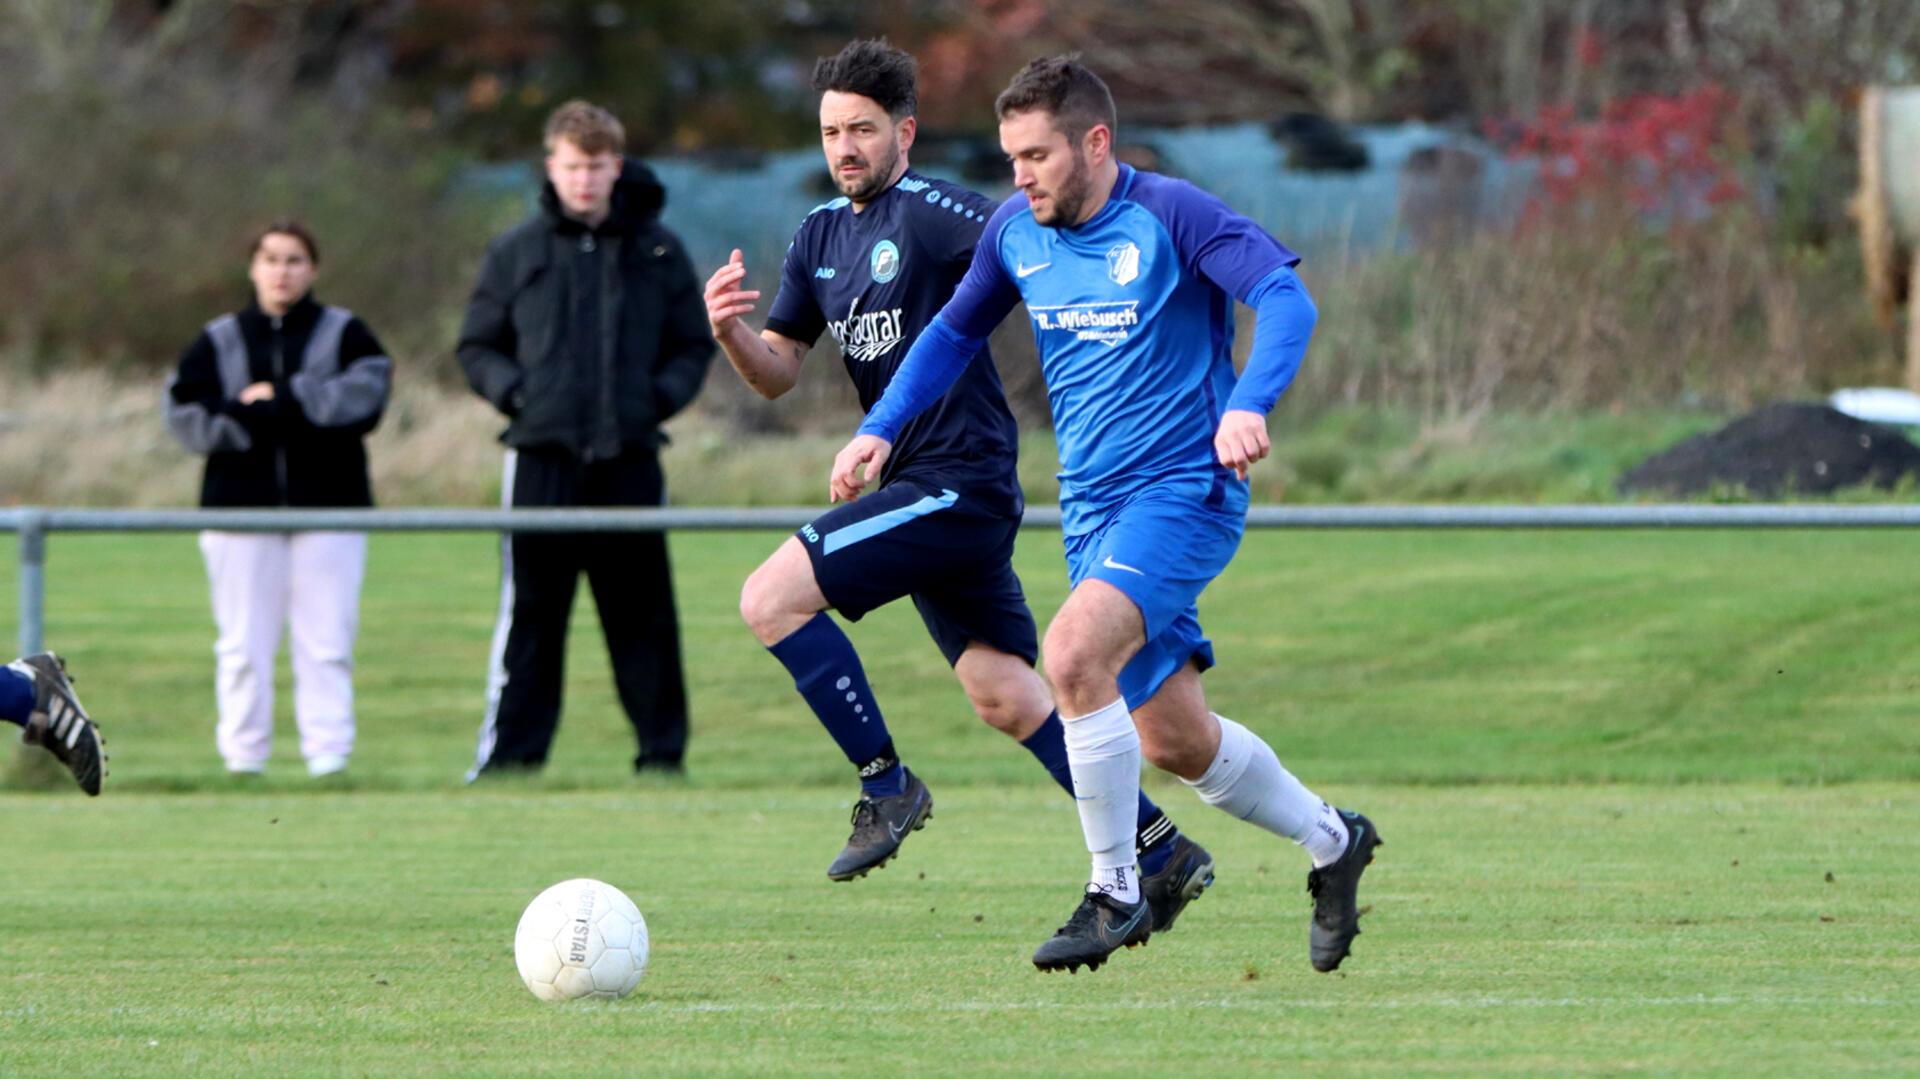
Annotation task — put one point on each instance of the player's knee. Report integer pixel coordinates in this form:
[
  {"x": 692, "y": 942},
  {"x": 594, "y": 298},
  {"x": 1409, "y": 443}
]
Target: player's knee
[
  {"x": 1072, "y": 667},
  {"x": 758, "y": 609},
  {"x": 996, "y": 712},
  {"x": 1178, "y": 750}
]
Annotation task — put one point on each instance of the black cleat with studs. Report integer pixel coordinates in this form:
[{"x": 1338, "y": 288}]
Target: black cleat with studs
[
  {"x": 1335, "y": 888},
  {"x": 1188, "y": 872},
  {"x": 61, "y": 726},
  {"x": 879, "y": 827},
  {"x": 1100, "y": 926}
]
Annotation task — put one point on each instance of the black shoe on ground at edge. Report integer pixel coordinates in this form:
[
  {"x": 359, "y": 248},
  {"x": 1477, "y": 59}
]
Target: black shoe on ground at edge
[
  {"x": 879, "y": 826},
  {"x": 59, "y": 724},
  {"x": 648, "y": 764},
  {"x": 1335, "y": 888},
  {"x": 1100, "y": 926},
  {"x": 1188, "y": 872}
]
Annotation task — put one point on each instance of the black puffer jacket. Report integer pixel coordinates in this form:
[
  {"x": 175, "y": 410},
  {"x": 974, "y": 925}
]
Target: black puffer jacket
[
  {"x": 516, "y": 343},
  {"x": 304, "y": 447}
]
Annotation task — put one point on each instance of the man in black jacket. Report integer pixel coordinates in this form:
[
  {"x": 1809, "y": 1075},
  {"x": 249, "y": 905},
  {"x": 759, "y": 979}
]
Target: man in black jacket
[{"x": 586, "y": 330}]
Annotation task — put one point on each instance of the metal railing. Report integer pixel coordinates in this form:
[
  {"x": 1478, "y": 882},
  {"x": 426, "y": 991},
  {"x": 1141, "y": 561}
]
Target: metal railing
[{"x": 35, "y": 523}]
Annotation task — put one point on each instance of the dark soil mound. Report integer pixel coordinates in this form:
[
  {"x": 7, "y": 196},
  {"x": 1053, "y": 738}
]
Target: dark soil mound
[{"x": 1780, "y": 450}]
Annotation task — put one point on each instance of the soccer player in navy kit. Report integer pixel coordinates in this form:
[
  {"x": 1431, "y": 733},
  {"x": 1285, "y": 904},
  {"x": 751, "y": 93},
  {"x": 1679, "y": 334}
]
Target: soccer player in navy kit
[
  {"x": 1130, "y": 278},
  {"x": 873, "y": 267}
]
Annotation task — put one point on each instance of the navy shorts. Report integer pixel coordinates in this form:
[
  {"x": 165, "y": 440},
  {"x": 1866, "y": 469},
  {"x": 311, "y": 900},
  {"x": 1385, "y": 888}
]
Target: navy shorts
[{"x": 912, "y": 539}]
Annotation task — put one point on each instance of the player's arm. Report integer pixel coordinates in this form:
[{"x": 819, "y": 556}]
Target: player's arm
[
  {"x": 1237, "y": 254},
  {"x": 1284, "y": 317},
  {"x": 934, "y": 363},
  {"x": 768, "y": 361}
]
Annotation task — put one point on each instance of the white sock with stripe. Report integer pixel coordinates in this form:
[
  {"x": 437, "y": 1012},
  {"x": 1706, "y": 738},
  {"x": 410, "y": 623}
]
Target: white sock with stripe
[
  {"x": 1247, "y": 780},
  {"x": 1103, "y": 752}
]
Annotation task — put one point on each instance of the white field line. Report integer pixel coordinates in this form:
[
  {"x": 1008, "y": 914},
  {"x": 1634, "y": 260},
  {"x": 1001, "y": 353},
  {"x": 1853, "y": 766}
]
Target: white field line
[{"x": 1267, "y": 1005}]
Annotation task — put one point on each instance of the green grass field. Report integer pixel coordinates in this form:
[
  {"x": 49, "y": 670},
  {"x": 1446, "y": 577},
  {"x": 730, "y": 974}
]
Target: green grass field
[{"x": 1650, "y": 803}]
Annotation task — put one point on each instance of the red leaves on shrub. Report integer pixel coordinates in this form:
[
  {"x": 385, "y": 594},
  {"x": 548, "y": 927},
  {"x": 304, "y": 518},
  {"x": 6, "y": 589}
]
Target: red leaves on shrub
[{"x": 1657, "y": 154}]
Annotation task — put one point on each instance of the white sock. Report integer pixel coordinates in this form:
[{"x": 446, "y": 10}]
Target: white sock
[
  {"x": 1103, "y": 752},
  {"x": 1247, "y": 780},
  {"x": 1122, "y": 883}
]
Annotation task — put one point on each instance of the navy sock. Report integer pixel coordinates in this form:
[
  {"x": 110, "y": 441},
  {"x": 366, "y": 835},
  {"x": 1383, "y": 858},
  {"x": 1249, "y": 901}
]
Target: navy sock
[
  {"x": 16, "y": 696},
  {"x": 1153, "y": 830},
  {"x": 827, "y": 672}
]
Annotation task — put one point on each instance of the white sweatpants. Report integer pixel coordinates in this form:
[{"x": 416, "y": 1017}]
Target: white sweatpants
[{"x": 309, "y": 582}]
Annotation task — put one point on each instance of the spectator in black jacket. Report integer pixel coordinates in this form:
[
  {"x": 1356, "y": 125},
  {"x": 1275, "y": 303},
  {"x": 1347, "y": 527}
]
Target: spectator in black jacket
[
  {"x": 279, "y": 397},
  {"x": 587, "y": 330}
]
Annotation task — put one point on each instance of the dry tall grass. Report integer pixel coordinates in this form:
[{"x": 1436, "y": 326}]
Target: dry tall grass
[
  {"x": 94, "y": 438},
  {"x": 1574, "y": 316}
]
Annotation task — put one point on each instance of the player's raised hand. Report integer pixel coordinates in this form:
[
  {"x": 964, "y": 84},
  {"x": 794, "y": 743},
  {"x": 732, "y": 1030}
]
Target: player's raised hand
[
  {"x": 1241, "y": 440},
  {"x": 726, "y": 301},
  {"x": 848, "y": 476}
]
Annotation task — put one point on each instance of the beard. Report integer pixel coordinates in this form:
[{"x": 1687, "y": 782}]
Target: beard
[
  {"x": 1070, "y": 198},
  {"x": 879, "y": 174}
]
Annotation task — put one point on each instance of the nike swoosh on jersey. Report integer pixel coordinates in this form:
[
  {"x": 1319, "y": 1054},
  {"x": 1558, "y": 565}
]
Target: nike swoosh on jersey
[
  {"x": 1023, "y": 270},
  {"x": 1111, "y": 564}
]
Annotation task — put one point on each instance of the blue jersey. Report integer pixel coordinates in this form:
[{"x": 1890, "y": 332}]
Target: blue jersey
[
  {"x": 875, "y": 279},
  {"x": 1132, "y": 313}
]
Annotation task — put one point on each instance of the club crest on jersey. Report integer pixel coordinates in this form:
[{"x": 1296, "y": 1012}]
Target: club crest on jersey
[
  {"x": 884, "y": 262},
  {"x": 1123, "y": 263}
]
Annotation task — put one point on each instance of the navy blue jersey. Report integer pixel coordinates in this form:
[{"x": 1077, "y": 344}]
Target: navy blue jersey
[{"x": 876, "y": 278}]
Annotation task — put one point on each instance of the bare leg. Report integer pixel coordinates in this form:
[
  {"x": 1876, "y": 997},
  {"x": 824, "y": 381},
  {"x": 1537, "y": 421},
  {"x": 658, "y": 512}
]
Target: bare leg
[
  {"x": 1007, "y": 694},
  {"x": 782, "y": 595}
]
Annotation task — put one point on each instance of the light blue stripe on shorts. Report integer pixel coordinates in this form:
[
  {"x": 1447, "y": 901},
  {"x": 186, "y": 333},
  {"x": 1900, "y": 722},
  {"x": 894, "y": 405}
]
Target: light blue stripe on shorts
[{"x": 873, "y": 526}]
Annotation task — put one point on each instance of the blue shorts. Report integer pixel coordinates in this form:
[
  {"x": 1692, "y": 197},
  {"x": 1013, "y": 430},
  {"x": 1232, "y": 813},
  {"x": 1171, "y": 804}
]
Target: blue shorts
[
  {"x": 912, "y": 539},
  {"x": 1161, "y": 549}
]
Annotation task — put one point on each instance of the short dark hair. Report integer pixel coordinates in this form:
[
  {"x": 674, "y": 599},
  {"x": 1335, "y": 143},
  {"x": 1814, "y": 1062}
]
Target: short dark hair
[
  {"x": 873, "y": 69},
  {"x": 593, "y": 129},
  {"x": 286, "y": 226},
  {"x": 1064, "y": 88}
]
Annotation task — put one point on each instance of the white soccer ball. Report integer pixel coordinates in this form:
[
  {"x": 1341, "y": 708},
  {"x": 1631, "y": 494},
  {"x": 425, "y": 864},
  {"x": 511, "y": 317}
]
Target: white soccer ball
[{"x": 581, "y": 938}]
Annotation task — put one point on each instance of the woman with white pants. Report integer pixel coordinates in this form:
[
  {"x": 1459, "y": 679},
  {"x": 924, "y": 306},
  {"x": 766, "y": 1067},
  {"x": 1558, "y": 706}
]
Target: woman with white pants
[{"x": 280, "y": 396}]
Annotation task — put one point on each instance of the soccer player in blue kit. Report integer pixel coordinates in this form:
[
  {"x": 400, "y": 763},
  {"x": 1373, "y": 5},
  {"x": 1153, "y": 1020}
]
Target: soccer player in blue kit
[
  {"x": 873, "y": 267},
  {"x": 1130, "y": 278}
]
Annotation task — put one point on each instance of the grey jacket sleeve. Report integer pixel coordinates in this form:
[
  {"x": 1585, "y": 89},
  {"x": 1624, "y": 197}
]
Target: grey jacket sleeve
[
  {"x": 196, "y": 407},
  {"x": 352, "y": 396},
  {"x": 349, "y": 384},
  {"x": 203, "y": 431}
]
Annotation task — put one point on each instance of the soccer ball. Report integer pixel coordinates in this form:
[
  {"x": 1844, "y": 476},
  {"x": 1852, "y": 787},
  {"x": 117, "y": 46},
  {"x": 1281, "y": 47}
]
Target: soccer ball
[{"x": 581, "y": 938}]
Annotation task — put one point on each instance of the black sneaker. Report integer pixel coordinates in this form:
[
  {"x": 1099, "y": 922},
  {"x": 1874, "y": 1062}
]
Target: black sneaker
[
  {"x": 61, "y": 725},
  {"x": 879, "y": 824},
  {"x": 1188, "y": 872},
  {"x": 1335, "y": 888},
  {"x": 1100, "y": 926}
]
